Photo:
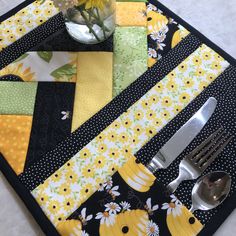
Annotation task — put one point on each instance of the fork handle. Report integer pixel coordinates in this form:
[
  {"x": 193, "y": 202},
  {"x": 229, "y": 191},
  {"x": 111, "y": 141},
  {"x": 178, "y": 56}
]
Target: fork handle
[{"x": 183, "y": 175}]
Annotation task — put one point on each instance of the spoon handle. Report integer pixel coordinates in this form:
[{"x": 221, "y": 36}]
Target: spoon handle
[{"x": 192, "y": 209}]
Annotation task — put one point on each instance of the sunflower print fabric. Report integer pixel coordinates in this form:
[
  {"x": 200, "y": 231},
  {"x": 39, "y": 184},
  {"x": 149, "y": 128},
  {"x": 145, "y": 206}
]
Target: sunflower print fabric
[
  {"x": 26, "y": 20},
  {"x": 117, "y": 209},
  {"x": 72, "y": 184},
  {"x": 164, "y": 33},
  {"x": 43, "y": 66}
]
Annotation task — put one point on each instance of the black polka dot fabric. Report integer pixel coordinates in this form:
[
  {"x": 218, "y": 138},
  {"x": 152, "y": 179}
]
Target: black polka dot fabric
[
  {"x": 51, "y": 161},
  {"x": 34, "y": 37},
  {"x": 224, "y": 90}
]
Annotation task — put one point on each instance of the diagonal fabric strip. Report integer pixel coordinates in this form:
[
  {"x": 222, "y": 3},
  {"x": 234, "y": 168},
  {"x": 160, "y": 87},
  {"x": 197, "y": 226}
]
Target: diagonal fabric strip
[
  {"x": 14, "y": 139},
  {"x": 36, "y": 174},
  {"x": 17, "y": 98},
  {"x": 80, "y": 177},
  {"x": 29, "y": 40},
  {"x": 43, "y": 66},
  {"x": 130, "y": 56},
  {"x": 24, "y": 21},
  {"x": 131, "y": 14},
  {"x": 94, "y": 85},
  {"x": 52, "y": 118}
]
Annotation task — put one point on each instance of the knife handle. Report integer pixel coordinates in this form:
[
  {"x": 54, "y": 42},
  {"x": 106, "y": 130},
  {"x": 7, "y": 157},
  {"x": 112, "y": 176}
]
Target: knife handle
[{"x": 155, "y": 164}]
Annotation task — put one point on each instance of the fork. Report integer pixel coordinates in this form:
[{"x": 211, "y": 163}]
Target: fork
[{"x": 196, "y": 162}]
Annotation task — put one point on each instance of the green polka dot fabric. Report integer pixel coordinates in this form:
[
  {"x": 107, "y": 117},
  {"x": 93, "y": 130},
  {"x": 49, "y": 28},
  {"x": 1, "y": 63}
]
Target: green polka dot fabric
[{"x": 17, "y": 98}]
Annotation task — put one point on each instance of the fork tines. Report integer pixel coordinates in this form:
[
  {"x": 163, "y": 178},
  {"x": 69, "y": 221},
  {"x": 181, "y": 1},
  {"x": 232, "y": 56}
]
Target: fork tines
[{"x": 208, "y": 150}]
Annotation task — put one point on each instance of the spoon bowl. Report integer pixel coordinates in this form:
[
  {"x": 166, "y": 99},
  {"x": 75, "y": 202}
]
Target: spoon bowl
[{"x": 210, "y": 191}]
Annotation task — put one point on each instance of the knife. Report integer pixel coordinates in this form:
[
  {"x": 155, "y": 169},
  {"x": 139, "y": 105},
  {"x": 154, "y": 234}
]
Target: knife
[{"x": 183, "y": 137}]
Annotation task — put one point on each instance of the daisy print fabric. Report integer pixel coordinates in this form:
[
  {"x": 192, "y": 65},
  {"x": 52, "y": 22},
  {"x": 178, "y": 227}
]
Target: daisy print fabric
[
  {"x": 164, "y": 33},
  {"x": 43, "y": 66},
  {"x": 26, "y": 20},
  {"x": 125, "y": 211},
  {"x": 71, "y": 185}
]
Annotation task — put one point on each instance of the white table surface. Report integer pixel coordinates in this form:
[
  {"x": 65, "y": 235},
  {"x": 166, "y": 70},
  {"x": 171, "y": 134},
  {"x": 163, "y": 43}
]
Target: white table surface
[{"x": 214, "y": 18}]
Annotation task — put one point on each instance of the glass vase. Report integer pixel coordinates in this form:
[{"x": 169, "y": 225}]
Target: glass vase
[{"x": 91, "y": 24}]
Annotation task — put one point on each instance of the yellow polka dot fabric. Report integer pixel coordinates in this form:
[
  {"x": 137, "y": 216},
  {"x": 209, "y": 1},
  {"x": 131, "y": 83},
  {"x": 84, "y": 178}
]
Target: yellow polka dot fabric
[{"x": 14, "y": 139}]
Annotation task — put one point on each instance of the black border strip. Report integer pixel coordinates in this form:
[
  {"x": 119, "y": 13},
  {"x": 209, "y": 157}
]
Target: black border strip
[
  {"x": 27, "y": 198},
  {"x": 14, "y": 10},
  {"x": 192, "y": 30}
]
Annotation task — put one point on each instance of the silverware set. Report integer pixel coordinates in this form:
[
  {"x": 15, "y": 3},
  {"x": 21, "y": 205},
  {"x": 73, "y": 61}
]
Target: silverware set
[{"x": 211, "y": 189}]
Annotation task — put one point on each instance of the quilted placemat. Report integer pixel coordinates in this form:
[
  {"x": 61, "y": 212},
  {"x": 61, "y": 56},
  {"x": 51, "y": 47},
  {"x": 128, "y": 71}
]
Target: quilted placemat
[{"x": 60, "y": 179}]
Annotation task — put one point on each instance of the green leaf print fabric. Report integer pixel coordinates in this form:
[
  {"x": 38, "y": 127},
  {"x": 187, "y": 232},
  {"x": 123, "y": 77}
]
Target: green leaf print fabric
[
  {"x": 17, "y": 98},
  {"x": 130, "y": 56}
]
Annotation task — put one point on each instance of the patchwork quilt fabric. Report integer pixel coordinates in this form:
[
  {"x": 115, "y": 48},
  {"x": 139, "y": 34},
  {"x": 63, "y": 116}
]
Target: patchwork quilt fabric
[{"x": 79, "y": 123}]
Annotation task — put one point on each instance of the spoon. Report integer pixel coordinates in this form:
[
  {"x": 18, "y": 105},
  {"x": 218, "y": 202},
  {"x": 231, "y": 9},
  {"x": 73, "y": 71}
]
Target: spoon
[{"x": 210, "y": 191}]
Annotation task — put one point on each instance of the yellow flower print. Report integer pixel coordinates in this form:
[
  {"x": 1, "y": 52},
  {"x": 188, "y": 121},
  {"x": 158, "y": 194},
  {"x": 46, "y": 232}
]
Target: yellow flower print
[
  {"x": 102, "y": 148},
  {"x": 210, "y": 77},
  {"x": 100, "y": 162},
  {"x": 165, "y": 115},
  {"x": 177, "y": 109},
  {"x": 18, "y": 21},
  {"x": 184, "y": 98},
  {"x": 153, "y": 99},
  {"x": 11, "y": 38},
  {"x": 202, "y": 85},
  {"x": 56, "y": 177},
  {"x": 217, "y": 57},
  {"x": 20, "y": 30},
  {"x": 47, "y": 12},
  {"x": 68, "y": 203},
  {"x": 188, "y": 82},
  {"x": 138, "y": 130},
  {"x": 172, "y": 75},
  {"x": 166, "y": 101},
  {"x": 150, "y": 131},
  {"x": 116, "y": 125},
  {"x": 158, "y": 122},
  {"x": 29, "y": 23},
  {"x": 111, "y": 136},
  {"x": 216, "y": 65},
  {"x": 114, "y": 153},
  {"x": 138, "y": 115},
  {"x": 123, "y": 137},
  {"x": 87, "y": 189},
  {"x": 207, "y": 56},
  {"x": 7, "y": 31},
  {"x": 85, "y": 152},
  {"x": 200, "y": 72},
  {"x": 197, "y": 61},
  {"x": 36, "y": 11},
  {"x": 53, "y": 206},
  {"x": 183, "y": 68},
  {"x": 43, "y": 199},
  {"x": 171, "y": 85},
  {"x": 150, "y": 114},
  {"x": 88, "y": 171},
  {"x": 159, "y": 87},
  {"x": 71, "y": 177},
  {"x": 40, "y": 20},
  {"x": 145, "y": 104},
  {"x": 127, "y": 123},
  {"x": 23, "y": 12},
  {"x": 64, "y": 190}
]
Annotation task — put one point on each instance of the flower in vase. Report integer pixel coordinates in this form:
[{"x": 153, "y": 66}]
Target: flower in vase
[{"x": 100, "y": 4}]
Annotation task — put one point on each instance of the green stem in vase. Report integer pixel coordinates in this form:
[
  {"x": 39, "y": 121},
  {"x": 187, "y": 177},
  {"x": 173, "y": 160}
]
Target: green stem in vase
[
  {"x": 88, "y": 24},
  {"x": 102, "y": 23}
]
